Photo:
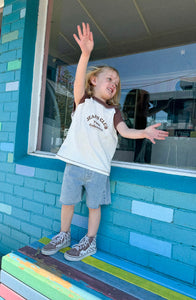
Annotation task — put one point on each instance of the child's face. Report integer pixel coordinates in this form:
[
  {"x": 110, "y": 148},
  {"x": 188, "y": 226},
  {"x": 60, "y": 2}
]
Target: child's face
[{"x": 105, "y": 84}]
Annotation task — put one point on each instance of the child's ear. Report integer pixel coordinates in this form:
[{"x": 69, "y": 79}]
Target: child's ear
[{"x": 93, "y": 80}]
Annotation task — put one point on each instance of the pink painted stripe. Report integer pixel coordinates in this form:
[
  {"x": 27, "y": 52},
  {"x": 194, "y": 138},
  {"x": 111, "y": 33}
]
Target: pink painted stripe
[{"x": 8, "y": 294}]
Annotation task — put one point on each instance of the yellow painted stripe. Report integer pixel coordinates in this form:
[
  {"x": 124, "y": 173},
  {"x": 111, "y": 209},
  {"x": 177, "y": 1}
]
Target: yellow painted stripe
[{"x": 129, "y": 277}]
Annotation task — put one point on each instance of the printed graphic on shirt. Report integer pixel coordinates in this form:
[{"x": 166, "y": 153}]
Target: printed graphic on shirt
[{"x": 97, "y": 122}]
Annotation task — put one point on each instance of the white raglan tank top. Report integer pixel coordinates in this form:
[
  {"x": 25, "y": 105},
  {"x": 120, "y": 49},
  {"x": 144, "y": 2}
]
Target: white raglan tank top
[{"x": 92, "y": 138}]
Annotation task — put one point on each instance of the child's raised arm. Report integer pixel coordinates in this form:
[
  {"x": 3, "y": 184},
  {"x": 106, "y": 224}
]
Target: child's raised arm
[{"x": 86, "y": 44}]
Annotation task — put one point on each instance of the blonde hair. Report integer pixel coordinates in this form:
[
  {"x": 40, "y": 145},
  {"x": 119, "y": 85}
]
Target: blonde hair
[{"x": 95, "y": 71}]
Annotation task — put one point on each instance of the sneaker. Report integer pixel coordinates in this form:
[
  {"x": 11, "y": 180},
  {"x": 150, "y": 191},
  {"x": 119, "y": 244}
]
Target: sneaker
[
  {"x": 58, "y": 242},
  {"x": 86, "y": 247}
]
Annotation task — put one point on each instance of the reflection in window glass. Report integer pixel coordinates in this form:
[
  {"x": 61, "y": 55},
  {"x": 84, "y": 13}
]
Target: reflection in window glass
[{"x": 157, "y": 86}]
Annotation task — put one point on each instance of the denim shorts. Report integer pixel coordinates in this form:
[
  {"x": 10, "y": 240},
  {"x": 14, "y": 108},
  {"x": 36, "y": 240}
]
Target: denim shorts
[{"x": 77, "y": 179}]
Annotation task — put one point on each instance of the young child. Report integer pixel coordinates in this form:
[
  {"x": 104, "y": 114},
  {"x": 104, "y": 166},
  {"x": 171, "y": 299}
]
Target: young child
[{"x": 90, "y": 146}]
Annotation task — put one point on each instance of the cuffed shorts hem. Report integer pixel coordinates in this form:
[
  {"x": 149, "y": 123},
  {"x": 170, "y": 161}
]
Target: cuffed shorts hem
[{"x": 96, "y": 185}]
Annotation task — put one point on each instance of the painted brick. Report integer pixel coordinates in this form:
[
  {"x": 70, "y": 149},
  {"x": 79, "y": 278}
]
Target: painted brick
[
  {"x": 5, "y": 229},
  {"x": 7, "y": 76},
  {"x": 7, "y": 96},
  {"x": 44, "y": 198},
  {"x": 2, "y": 175},
  {"x": 33, "y": 206},
  {"x": 185, "y": 218},
  {"x": 5, "y": 29},
  {"x": 9, "y": 126},
  {"x": 46, "y": 174},
  {"x": 31, "y": 229},
  {"x": 6, "y": 187},
  {"x": 121, "y": 203},
  {"x": 3, "y": 155},
  {"x": 13, "y": 116},
  {"x": 12, "y": 86},
  {"x": 19, "y": 54},
  {"x": 34, "y": 183},
  {"x": 4, "y": 137},
  {"x": 3, "y": 68},
  {"x": 10, "y": 36},
  {"x": 13, "y": 200},
  {"x": 131, "y": 221},
  {"x": 175, "y": 199},
  {"x": 52, "y": 212},
  {"x": 17, "y": 75},
  {"x": 7, "y": 167},
  {"x": 10, "y": 243},
  {"x": 80, "y": 221},
  {"x": 4, "y": 208},
  {"x": 112, "y": 187},
  {"x": 16, "y": 44},
  {"x": 7, "y": 56},
  {"x": 152, "y": 211},
  {"x": 172, "y": 232},
  {"x": 53, "y": 188},
  {"x": 185, "y": 254},
  {"x": 14, "y": 65},
  {"x": 12, "y": 222},
  {"x": 18, "y": 24},
  {"x": 11, "y": 18},
  {"x": 4, "y": 116},
  {"x": 2, "y": 85},
  {"x": 21, "y": 214},
  {"x": 20, "y": 236},
  {"x": 41, "y": 221},
  {"x": 150, "y": 244},
  {"x": 15, "y": 179},
  {"x": 118, "y": 233},
  {"x": 25, "y": 170},
  {"x": 133, "y": 254},
  {"x": 15, "y": 95},
  {"x": 10, "y": 158},
  {"x": 172, "y": 268},
  {"x": 11, "y": 137},
  {"x": 56, "y": 226},
  {"x": 7, "y": 147},
  {"x": 22, "y": 13},
  {"x": 134, "y": 191},
  {"x": 7, "y": 10},
  {"x": 19, "y": 5},
  {"x": 23, "y": 192}
]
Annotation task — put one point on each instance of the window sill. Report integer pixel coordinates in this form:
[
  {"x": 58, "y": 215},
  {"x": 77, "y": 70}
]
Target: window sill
[{"x": 152, "y": 176}]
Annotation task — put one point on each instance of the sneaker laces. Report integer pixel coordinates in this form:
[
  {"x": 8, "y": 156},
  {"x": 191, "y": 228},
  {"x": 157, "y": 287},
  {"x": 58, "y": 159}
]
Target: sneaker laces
[
  {"x": 83, "y": 242},
  {"x": 58, "y": 238}
]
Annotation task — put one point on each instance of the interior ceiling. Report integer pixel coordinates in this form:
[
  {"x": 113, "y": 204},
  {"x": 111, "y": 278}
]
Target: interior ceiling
[{"x": 121, "y": 27}]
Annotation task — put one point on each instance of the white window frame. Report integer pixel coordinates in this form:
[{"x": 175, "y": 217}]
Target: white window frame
[{"x": 36, "y": 101}]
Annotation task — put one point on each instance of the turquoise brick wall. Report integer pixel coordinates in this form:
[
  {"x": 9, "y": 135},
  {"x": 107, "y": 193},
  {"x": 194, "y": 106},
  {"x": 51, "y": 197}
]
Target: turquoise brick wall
[{"x": 152, "y": 218}]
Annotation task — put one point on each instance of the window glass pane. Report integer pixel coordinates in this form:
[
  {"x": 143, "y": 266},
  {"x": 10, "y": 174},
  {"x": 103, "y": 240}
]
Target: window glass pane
[{"x": 157, "y": 86}]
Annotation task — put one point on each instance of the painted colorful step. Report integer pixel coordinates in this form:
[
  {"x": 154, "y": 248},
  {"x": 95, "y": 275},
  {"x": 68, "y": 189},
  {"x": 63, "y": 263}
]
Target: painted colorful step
[{"x": 97, "y": 277}]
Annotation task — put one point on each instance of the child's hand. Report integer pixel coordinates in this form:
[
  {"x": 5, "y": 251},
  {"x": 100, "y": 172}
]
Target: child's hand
[
  {"x": 152, "y": 133},
  {"x": 84, "y": 39}
]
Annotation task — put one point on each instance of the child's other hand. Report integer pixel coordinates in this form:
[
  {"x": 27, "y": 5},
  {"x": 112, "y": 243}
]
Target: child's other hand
[
  {"x": 84, "y": 39},
  {"x": 152, "y": 133}
]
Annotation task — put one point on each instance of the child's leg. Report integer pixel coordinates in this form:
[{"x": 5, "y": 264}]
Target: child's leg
[
  {"x": 94, "y": 221},
  {"x": 66, "y": 217}
]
